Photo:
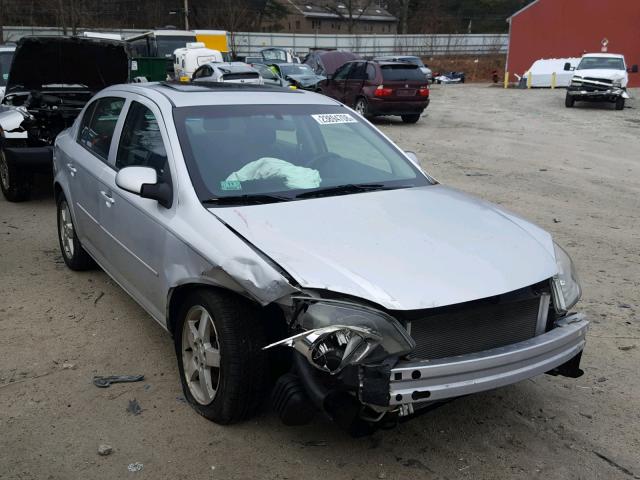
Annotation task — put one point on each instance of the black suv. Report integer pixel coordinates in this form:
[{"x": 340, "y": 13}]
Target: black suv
[{"x": 50, "y": 81}]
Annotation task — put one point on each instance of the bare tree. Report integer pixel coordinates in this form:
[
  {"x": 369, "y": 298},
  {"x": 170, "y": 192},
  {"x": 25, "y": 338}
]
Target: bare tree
[{"x": 351, "y": 11}]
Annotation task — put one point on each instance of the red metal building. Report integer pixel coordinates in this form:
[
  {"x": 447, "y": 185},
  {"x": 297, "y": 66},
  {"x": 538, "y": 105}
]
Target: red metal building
[{"x": 569, "y": 28}]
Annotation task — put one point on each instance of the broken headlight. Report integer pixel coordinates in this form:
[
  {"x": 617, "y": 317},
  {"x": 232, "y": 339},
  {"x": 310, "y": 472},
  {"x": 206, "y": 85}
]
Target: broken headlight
[
  {"x": 566, "y": 285},
  {"x": 337, "y": 334},
  {"x": 617, "y": 84}
]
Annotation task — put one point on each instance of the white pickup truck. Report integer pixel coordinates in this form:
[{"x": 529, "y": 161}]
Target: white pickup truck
[{"x": 599, "y": 77}]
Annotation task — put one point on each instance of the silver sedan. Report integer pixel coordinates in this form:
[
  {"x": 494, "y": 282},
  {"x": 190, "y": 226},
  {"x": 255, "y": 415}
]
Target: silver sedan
[{"x": 289, "y": 247}]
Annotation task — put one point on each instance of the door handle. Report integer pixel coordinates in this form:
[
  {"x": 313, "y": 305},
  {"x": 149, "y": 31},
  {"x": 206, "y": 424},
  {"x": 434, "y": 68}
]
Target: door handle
[
  {"x": 72, "y": 169},
  {"x": 107, "y": 197}
]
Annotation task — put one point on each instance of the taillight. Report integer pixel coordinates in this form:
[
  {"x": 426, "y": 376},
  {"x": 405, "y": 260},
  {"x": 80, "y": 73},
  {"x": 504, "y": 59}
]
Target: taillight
[
  {"x": 423, "y": 91},
  {"x": 383, "y": 92}
]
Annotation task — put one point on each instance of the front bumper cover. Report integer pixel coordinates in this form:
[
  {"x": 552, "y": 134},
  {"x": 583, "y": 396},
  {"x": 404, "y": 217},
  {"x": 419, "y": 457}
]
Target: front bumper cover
[{"x": 435, "y": 380}]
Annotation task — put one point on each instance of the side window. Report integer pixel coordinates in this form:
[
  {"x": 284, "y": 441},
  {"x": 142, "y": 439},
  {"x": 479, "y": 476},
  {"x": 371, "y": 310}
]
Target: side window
[
  {"x": 86, "y": 120},
  {"x": 371, "y": 72},
  {"x": 342, "y": 72},
  {"x": 98, "y": 124},
  {"x": 358, "y": 72},
  {"x": 197, "y": 73},
  {"x": 141, "y": 141}
]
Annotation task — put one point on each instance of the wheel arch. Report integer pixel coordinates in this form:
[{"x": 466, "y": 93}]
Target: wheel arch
[{"x": 177, "y": 294}]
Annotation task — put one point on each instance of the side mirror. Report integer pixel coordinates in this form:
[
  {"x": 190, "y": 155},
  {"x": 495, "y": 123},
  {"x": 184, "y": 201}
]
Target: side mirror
[
  {"x": 567, "y": 67},
  {"x": 634, "y": 69},
  {"x": 412, "y": 156},
  {"x": 143, "y": 181}
]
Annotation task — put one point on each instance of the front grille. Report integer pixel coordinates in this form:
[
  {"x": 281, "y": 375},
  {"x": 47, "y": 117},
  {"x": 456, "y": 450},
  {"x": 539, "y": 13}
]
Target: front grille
[
  {"x": 475, "y": 326},
  {"x": 601, "y": 80}
]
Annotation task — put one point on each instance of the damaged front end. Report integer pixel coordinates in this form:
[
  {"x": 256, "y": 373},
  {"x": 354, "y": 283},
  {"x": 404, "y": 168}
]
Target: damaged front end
[{"x": 367, "y": 368}]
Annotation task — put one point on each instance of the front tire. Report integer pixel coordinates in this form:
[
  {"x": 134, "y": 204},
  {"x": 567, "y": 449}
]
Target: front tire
[
  {"x": 413, "y": 118},
  {"x": 569, "y": 101},
  {"x": 223, "y": 369},
  {"x": 620, "y": 103},
  {"x": 15, "y": 184},
  {"x": 74, "y": 256}
]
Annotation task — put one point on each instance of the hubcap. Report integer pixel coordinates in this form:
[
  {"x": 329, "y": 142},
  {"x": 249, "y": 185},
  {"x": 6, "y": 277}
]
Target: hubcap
[
  {"x": 65, "y": 229},
  {"x": 360, "y": 107},
  {"x": 200, "y": 355},
  {"x": 4, "y": 170}
]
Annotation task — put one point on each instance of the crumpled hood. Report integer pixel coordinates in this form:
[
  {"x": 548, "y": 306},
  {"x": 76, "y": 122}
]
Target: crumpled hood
[
  {"x": 605, "y": 74},
  {"x": 306, "y": 80},
  {"x": 403, "y": 249},
  {"x": 96, "y": 63}
]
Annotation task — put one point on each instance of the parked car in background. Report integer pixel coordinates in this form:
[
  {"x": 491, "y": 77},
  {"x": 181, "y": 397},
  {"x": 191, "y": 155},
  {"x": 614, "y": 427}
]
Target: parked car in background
[
  {"x": 380, "y": 88},
  {"x": 299, "y": 75},
  {"x": 278, "y": 235},
  {"x": 273, "y": 55},
  {"x": 51, "y": 80},
  {"x": 6, "y": 55},
  {"x": 599, "y": 77},
  {"x": 269, "y": 76},
  {"x": 253, "y": 60},
  {"x": 449, "y": 77},
  {"x": 409, "y": 59},
  {"x": 188, "y": 59},
  {"x": 326, "y": 62},
  {"x": 230, "y": 72}
]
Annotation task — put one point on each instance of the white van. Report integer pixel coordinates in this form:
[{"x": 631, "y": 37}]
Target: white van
[{"x": 188, "y": 59}]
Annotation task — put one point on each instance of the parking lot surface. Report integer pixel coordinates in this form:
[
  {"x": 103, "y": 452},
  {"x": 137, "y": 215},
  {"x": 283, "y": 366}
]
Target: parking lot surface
[{"x": 575, "y": 172}]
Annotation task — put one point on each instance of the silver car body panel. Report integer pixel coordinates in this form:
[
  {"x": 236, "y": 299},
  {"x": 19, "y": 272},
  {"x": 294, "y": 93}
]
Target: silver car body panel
[
  {"x": 425, "y": 247},
  {"x": 11, "y": 119},
  {"x": 147, "y": 249},
  {"x": 440, "y": 379}
]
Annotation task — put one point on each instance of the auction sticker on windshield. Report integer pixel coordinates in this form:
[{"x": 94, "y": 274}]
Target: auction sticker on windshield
[{"x": 332, "y": 118}]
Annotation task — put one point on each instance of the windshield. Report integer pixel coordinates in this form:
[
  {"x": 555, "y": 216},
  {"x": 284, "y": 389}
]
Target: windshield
[
  {"x": 609, "y": 63},
  {"x": 286, "y": 150},
  {"x": 274, "y": 55},
  {"x": 413, "y": 60},
  {"x": 300, "y": 69},
  {"x": 5, "y": 66},
  {"x": 167, "y": 45}
]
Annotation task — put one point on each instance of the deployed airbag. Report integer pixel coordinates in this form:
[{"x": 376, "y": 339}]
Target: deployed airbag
[{"x": 267, "y": 167}]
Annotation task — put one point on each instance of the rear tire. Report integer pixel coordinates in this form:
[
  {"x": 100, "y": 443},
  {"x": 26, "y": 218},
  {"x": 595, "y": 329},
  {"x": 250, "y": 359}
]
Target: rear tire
[
  {"x": 362, "y": 107},
  {"x": 15, "y": 184},
  {"x": 569, "y": 101},
  {"x": 74, "y": 256},
  {"x": 620, "y": 103},
  {"x": 413, "y": 118},
  {"x": 219, "y": 337}
]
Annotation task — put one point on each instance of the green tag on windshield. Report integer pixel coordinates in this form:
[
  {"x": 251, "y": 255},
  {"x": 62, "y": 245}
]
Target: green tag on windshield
[{"x": 230, "y": 185}]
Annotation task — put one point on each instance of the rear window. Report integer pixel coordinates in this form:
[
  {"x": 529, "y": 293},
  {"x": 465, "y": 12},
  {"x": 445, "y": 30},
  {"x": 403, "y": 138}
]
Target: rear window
[{"x": 401, "y": 73}]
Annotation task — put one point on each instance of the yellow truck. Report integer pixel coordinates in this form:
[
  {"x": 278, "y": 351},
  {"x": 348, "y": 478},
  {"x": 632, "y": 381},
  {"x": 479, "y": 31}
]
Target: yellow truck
[{"x": 215, "y": 40}]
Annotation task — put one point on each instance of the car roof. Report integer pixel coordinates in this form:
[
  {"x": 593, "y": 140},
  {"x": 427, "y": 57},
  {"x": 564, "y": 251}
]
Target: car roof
[
  {"x": 608, "y": 55},
  {"x": 212, "y": 93}
]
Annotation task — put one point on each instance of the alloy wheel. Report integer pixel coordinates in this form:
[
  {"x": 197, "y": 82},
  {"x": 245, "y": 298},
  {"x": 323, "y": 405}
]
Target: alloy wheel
[
  {"x": 200, "y": 355},
  {"x": 65, "y": 229},
  {"x": 4, "y": 170}
]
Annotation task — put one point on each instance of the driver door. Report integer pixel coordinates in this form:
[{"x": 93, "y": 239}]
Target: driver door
[{"x": 135, "y": 226}]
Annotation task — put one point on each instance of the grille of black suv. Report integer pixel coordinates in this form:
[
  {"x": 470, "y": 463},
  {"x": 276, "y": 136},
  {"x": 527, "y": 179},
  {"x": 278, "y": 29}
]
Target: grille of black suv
[{"x": 475, "y": 326}]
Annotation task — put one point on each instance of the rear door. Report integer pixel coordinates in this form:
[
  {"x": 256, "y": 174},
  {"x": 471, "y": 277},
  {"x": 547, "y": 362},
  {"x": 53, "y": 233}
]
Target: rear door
[
  {"x": 336, "y": 86},
  {"x": 355, "y": 81},
  {"x": 87, "y": 165},
  {"x": 405, "y": 81}
]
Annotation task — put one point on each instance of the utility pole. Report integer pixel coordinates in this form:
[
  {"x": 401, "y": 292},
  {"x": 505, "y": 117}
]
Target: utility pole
[{"x": 186, "y": 14}]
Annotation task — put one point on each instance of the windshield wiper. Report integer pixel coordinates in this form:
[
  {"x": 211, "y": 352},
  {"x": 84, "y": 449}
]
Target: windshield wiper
[
  {"x": 343, "y": 190},
  {"x": 246, "y": 199}
]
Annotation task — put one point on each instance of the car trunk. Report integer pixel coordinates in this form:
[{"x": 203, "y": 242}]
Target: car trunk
[{"x": 404, "y": 82}]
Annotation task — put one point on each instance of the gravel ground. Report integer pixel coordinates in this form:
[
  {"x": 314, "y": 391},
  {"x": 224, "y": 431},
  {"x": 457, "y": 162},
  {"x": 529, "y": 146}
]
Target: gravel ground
[{"x": 573, "y": 171}]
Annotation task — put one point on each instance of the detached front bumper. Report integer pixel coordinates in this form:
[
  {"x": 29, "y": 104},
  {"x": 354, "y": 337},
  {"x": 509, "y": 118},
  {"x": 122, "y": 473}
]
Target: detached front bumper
[{"x": 434, "y": 380}]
